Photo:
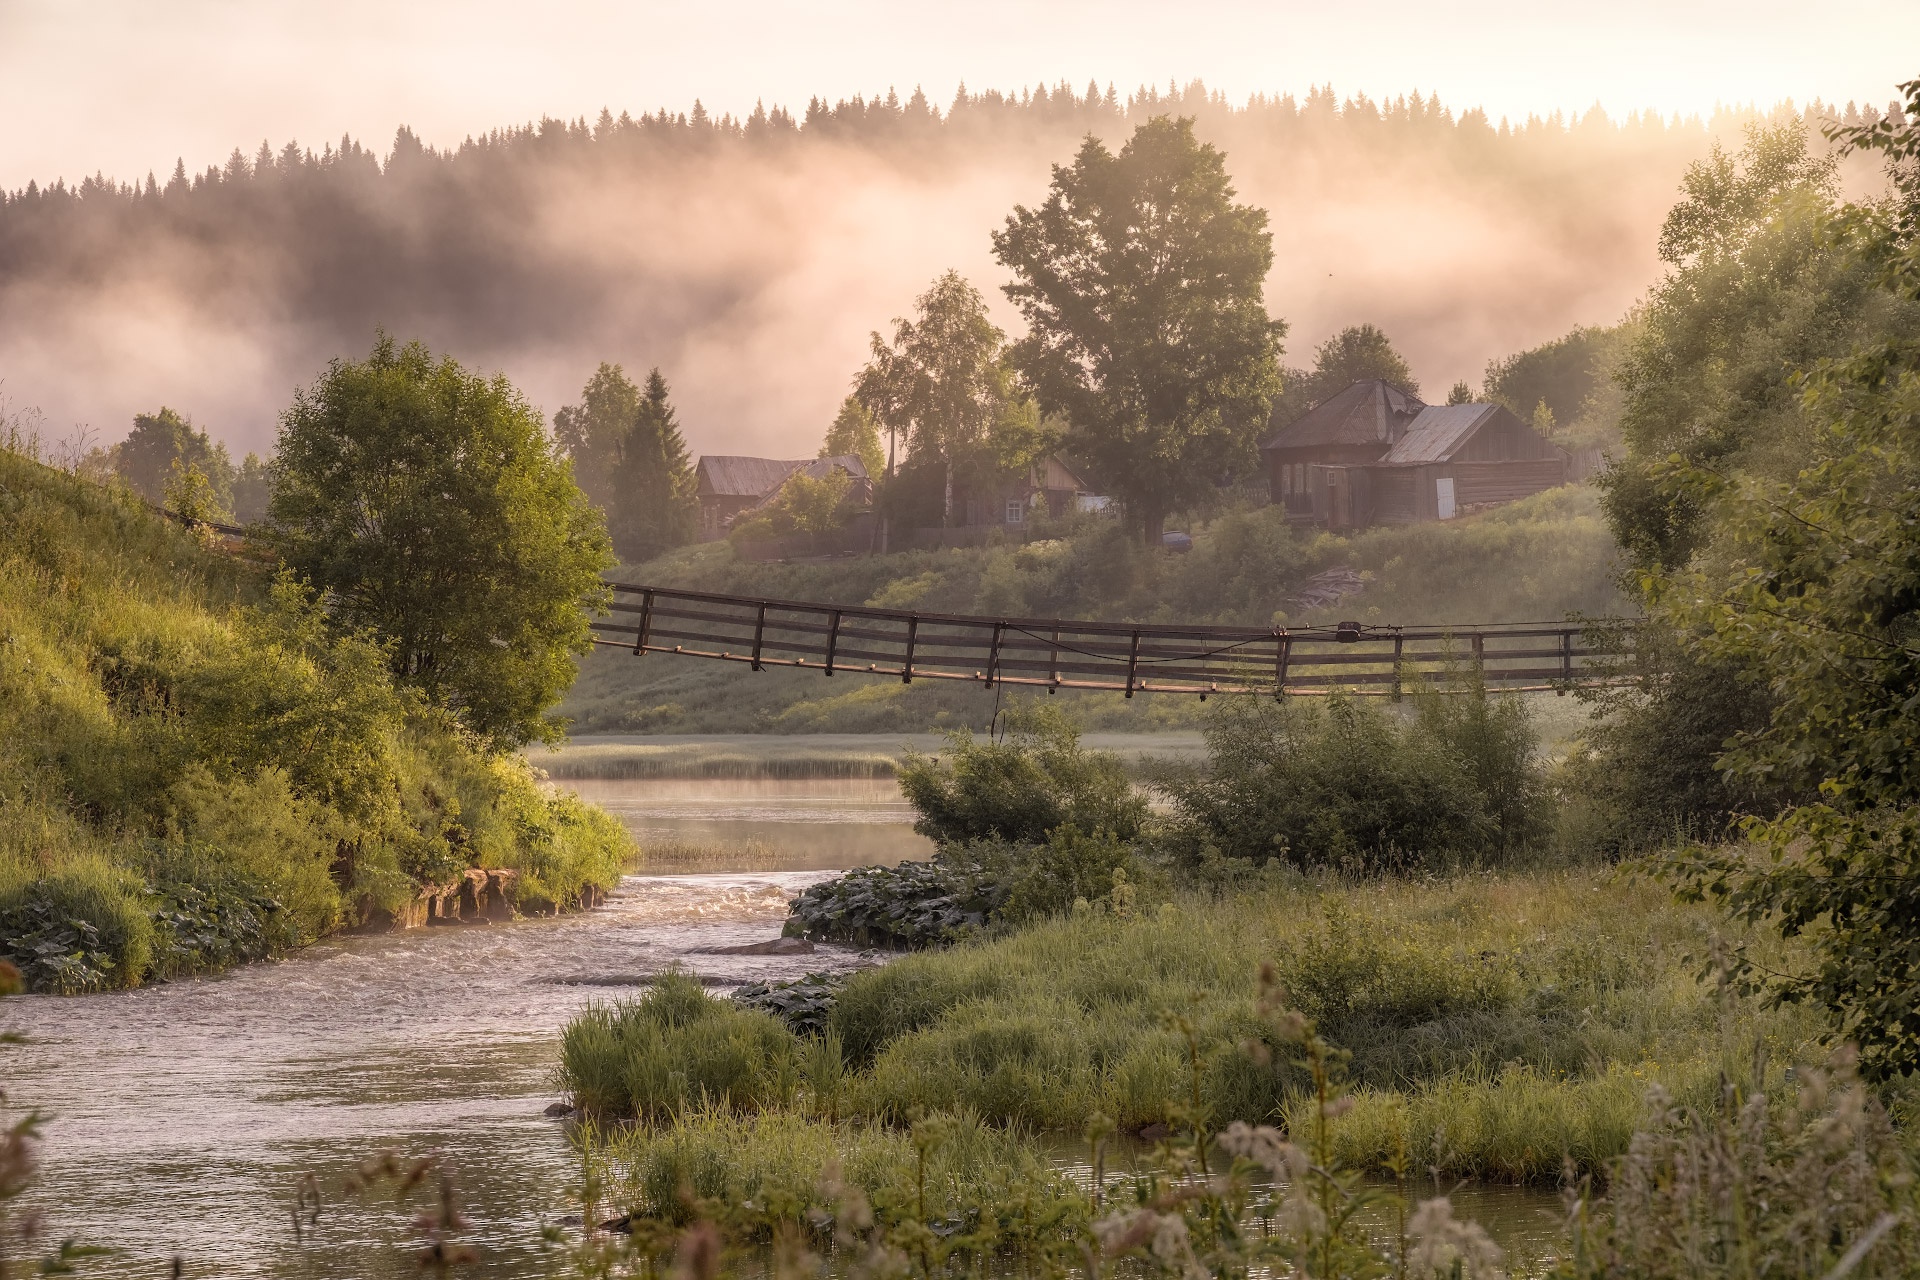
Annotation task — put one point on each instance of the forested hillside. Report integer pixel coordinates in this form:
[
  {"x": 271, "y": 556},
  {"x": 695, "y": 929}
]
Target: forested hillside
[{"x": 722, "y": 250}]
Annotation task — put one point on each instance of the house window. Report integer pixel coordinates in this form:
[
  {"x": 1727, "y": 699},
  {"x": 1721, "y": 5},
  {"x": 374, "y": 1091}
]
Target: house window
[
  {"x": 1286, "y": 479},
  {"x": 1016, "y": 511}
]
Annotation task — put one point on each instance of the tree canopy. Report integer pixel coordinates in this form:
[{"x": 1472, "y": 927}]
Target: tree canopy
[
  {"x": 1141, "y": 283},
  {"x": 429, "y": 507},
  {"x": 146, "y": 458},
  {"x": 941, "y": 382},
  {"x": 594, "y": 432},
  {"x": 653, "y": 507},
  {"x": 631, "y": 462},
  {"x": 1797, "y": 569},
  {"x": 854, "y": 433}
]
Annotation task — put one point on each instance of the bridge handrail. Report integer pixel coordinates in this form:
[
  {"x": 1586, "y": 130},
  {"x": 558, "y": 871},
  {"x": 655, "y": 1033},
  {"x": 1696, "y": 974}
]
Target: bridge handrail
[{"x": 1051, "y": 652}]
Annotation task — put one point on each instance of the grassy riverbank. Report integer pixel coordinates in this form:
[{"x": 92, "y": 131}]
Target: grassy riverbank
[
  {"x": 195, "y": 772},
  {"x": 1497, "y": 1023}
]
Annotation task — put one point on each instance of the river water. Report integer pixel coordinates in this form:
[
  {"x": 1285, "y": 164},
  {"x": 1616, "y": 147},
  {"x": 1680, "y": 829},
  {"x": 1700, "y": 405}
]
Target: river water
[{"x": 182, "y": 1115}]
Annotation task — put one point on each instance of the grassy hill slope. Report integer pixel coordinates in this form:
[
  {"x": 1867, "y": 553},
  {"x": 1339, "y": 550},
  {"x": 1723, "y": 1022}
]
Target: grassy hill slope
[{"x": 194, "y": 773}]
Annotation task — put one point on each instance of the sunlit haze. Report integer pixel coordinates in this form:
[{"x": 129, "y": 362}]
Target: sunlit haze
[
  {"x": 122, "y": 86},
  {"x": 738, "y": 282}
]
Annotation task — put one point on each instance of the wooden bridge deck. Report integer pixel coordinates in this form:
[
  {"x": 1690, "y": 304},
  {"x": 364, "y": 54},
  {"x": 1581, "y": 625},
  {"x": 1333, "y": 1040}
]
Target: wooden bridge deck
[{"x": 1124, "y": 657}]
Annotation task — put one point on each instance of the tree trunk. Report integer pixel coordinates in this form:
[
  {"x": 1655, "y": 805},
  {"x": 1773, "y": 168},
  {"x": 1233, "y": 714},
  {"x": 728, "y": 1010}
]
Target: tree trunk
[
  {"x": 946, "y": 509},
  {"x": 1153, "y": 523}
]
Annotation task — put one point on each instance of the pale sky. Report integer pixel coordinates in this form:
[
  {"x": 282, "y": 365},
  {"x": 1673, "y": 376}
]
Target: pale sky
[{"x": 125, "y": 86}]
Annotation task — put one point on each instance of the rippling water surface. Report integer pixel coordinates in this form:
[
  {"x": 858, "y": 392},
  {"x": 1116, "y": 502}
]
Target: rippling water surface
[{"x": 183, "y": 1113}]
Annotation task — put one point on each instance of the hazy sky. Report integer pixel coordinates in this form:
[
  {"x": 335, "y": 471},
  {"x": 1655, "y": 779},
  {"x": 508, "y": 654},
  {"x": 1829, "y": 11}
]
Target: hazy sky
[{"x": 125, "y": 86}]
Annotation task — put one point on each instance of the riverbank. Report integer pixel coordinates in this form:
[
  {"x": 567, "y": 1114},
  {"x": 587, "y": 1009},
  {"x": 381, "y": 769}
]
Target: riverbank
[
  {"x": 799, "y": 755},
  {"x": 196, "y": 771}
]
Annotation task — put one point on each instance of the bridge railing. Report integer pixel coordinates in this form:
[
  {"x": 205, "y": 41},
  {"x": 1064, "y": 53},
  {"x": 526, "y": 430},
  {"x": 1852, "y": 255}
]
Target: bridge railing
[{"x": 1066, "y": 654}]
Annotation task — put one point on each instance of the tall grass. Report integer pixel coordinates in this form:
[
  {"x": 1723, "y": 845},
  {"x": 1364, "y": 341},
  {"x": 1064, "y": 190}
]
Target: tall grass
[
  {"x": 673, "y": 1049},
  {"x": 1529, "y": 1010}
]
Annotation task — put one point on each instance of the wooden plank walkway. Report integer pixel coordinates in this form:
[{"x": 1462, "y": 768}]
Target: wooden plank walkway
[{"x": 1124, "y": 657}]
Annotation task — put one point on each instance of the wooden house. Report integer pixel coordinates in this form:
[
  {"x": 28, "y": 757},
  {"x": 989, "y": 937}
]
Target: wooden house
[
  {"x": 1351, "y": 428},
  {"x": 1374, "y": 455},
  {"x": 728, "y": 485},
  {"x": 1050, "y": 487}
]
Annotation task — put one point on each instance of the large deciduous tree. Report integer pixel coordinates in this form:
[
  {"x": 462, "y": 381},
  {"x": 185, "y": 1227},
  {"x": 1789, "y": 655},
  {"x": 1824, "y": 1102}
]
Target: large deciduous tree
[
  {"x": 1141, "y": 283},
  {"x": 429, "y": 506},
  {"x": 853, "y": 433},
  {"x": 941, "y": 382},
  {"x": 593, "y": 432}
]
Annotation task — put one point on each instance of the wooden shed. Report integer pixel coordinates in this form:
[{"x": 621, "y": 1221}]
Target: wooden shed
[
  {"x": 1460, "y": 458},
  {"x": 1375, "y": 455}
]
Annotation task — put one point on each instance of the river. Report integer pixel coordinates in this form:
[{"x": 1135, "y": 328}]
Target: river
[{"x": 183, "y": 1114}]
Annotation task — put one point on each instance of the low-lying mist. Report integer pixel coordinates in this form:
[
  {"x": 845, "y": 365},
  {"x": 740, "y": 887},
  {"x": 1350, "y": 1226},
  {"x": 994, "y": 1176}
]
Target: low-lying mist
[{"x": 750, "y": 260}]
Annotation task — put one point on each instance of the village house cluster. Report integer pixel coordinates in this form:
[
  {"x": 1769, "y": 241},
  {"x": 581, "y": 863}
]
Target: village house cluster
[{"x": 1370, "y": 455}]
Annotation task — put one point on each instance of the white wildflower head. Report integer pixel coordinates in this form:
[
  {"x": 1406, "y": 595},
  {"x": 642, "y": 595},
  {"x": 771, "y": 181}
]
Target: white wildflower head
[{"x": 1440, "y": 1240}]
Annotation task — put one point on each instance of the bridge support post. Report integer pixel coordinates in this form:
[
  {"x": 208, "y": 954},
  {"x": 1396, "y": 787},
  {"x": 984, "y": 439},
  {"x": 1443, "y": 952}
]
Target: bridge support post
[
  {"x": 833, "y": 638},
  {"x": 913, "y": 634},
  {"x": 646, "y": 625},
  {"x": 759, "y": 633},
  {"x": 1282, "y": 654},
  {"x": 1133, "y": 661}
]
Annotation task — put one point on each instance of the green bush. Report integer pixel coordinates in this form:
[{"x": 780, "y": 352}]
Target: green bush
[
  {"x": 1021, "y": 788},
  {"x": 1342, "y": 783},
  {"x": 673, "y": 1049}
]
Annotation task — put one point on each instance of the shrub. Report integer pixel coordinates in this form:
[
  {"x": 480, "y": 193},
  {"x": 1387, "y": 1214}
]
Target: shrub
[
  {"x": 676, "y": 1047},
  {"x": 1022, "y": 788},
  {"x": 1341, "y": 783}
]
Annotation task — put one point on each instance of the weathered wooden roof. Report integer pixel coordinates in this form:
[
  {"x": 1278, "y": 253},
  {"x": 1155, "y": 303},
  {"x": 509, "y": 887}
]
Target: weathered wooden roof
[
  {"x": 730, "y": 476},
  {"x": 818, "y": 469},
  {"x": 1442, "y": 431},
  {"x": 1368, "y": 412},
  {"x": 1437, "y": 432}
]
